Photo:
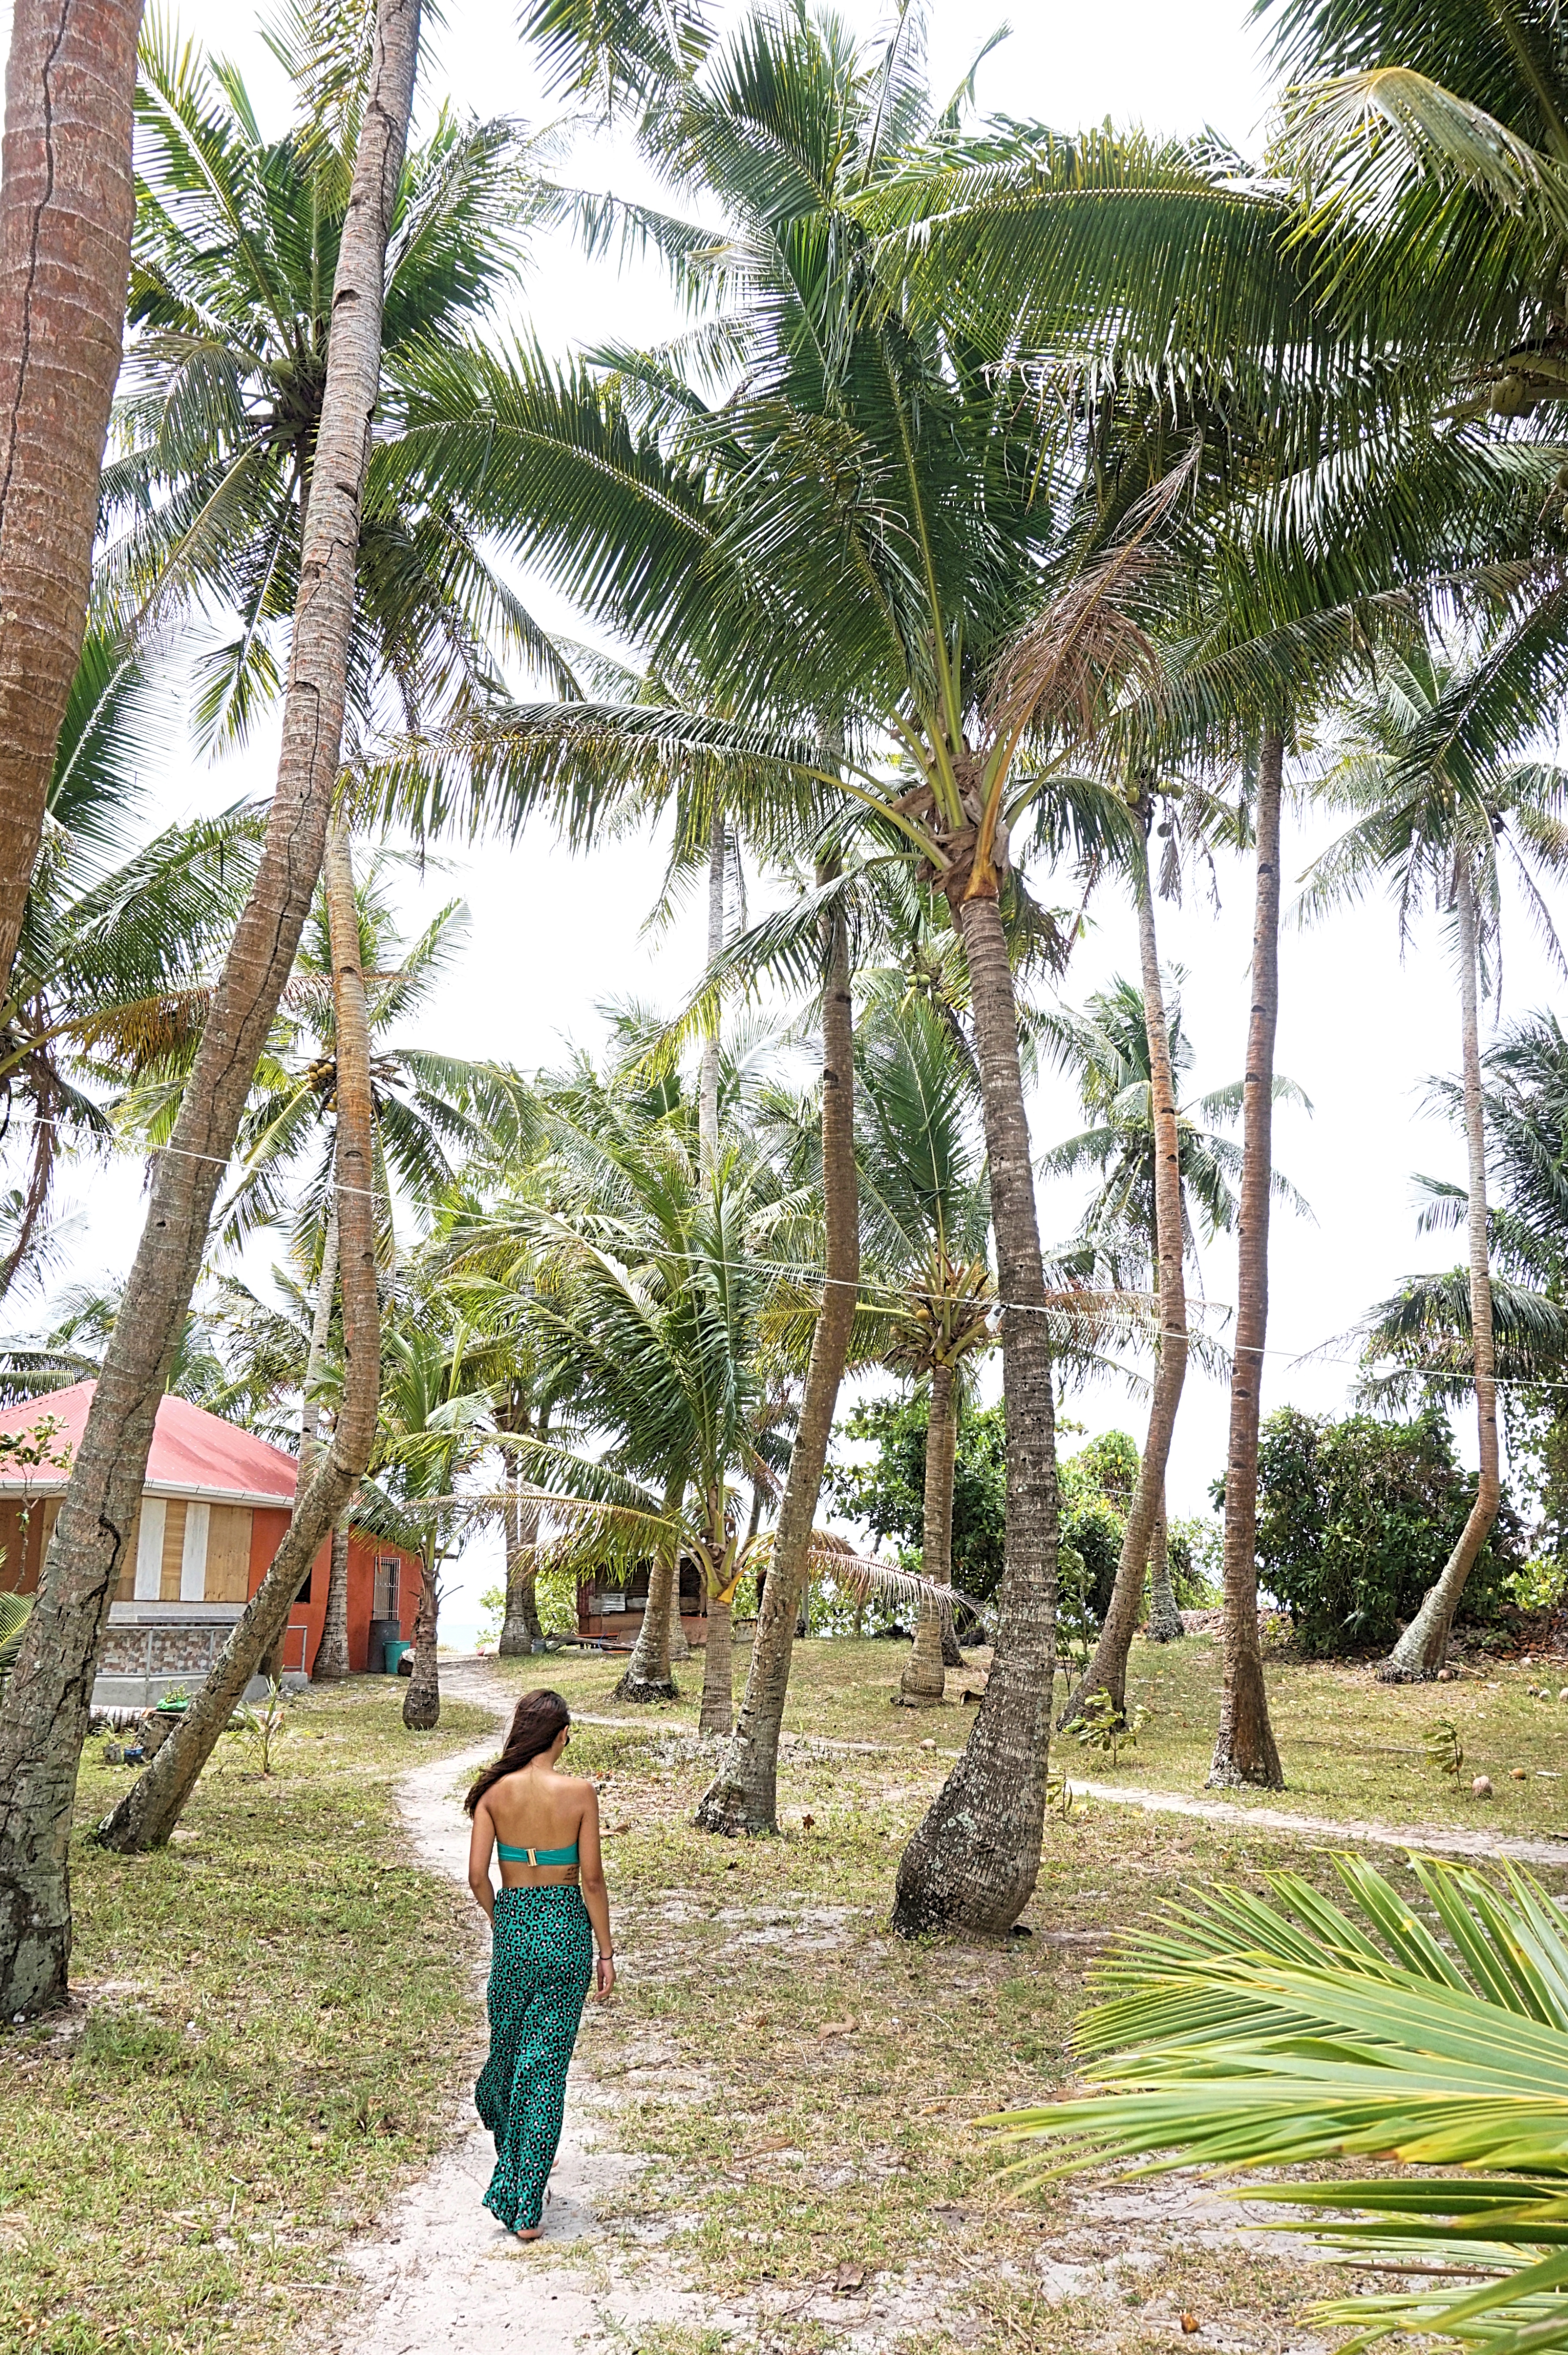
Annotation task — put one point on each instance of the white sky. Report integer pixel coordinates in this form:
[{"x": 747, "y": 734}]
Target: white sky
[{"x": 551, "y": 937}]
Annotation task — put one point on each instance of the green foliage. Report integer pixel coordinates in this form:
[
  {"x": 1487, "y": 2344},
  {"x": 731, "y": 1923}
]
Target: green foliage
[
  {"x": 1444, "y": 1750},
  {"x": 15, "y": 1610},
  {"x": 1243, "y": 2034},
  {"x": 888, "y": 1493},
  {"x": 1101, "y": 1726},
  {"x": 1196, "y": 1550},
  {"x": 493, "y": 1603},
  {"x": 265, "y": 1724},
  {"x": 1355, "y": 1519}
]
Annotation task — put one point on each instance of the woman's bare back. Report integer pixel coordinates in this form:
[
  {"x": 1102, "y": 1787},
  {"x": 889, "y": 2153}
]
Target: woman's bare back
[{"x": 540, "y": 1810}]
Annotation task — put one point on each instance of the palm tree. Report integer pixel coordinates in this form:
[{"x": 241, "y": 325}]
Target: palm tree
[
  {"x": 66, "y": 204},
  {"x": 647, "y": 1310},
  {"x": 855, "y": 528},
  {"x": 1437, "y": 806},
  {"x": 117, "y": 933},
  {"x": 43, "y": 1718},
  {"x": 1245, "y": 2034},
  {"x": 1106, "y": 1048},
  {"x": 925, "y": 1219},
  {"x": 436, "y": 1422}
]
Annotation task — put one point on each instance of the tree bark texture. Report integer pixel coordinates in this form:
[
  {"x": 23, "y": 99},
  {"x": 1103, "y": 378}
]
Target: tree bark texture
[
  {"x": 1244, "y": 1749},
  {"x": 743, "y": 1795},
  {"x": 332, "y": 1652},
  {"x": 708, "y": 1077},
  {"x": 44, "y": 1718},
  {"x": 421, "y": 1702},
  {"x": 718, "y": 1714},
  {"x": 925, "y": 1677},
  {"x": 271, "y": 1666},
  {"x": 973, "y": 1863},
  {"x": 67, "y": 204},
  {"x": 1107, "y": 1671},
  {"x": 1164, "y": 1613},
  {"x": 520, "y": 1629},
  {"x": 1423, "y": 1649},
  {"x": 145, "y": 1816},
  {"x": 648, "y": 1675}
]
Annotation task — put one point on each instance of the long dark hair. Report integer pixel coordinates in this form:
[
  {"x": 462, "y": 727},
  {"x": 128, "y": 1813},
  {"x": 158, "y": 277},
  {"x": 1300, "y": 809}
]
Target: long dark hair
[{"x": 535, "y": 1721}]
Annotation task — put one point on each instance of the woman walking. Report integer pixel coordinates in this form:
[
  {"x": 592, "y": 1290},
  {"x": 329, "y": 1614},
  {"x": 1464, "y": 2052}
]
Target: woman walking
[{"x": 551, "y": 1908}]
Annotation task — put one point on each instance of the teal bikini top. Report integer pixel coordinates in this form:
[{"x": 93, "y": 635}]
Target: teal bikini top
[{"x": 537, "y": 1854}]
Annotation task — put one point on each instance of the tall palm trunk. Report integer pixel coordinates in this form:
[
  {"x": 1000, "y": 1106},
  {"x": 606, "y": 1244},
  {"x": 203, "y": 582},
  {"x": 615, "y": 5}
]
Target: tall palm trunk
[
  {"x": 332, "y": 1652},
  {"x": 925, "y": 1677},
  {"x": 310, "y": 1412},
  {"x": 43, "y": 1720},
  {"x": 1107, "y": 1671},
  {"x": 974, "y": 1861},
  {"x": 1165, "y": 1626},
  {"x": 648, "y": 1675},
  {"x": 421, "y": 1702},
  {"x": 1244, "y": 1749},
  {"x": 520, "y": 1629},
  {"x": 147, "y": 1812},
  {"x": 67, "y": 203},
  {"x": 1423, "y": 1649},
  {"x": 743, "y": 1794},
  {"x": 718, "y": 1712},
  {"x": 707, "y": 1078}
]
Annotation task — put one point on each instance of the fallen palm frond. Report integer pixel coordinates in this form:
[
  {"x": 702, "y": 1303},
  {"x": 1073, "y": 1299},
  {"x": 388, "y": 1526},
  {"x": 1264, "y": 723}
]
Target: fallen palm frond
[{"x": 1240, "y": 2033}]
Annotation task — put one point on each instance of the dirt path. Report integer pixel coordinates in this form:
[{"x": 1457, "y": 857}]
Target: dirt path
[
  {"x": 1438, "y": 1839},
  {"x": 445, "y": 2275}
]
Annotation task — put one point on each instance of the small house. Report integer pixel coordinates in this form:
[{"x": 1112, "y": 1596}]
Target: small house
[
  {"x": 214, "y": 1509},
  {"x": 612, "y": 1610}
]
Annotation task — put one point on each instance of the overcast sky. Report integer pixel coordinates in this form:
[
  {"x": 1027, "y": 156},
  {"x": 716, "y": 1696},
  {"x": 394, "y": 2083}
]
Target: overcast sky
[{"x": 551, "y": 938}]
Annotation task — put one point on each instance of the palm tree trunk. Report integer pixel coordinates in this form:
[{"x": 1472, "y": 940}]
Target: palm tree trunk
[
  {"x": 648, "y": 1675},
  {"x": 743, "y": 1794},
  {"x": 147, "y": 1812},
  {"x": 520, "y": 1629},
  {"x": 1107, "y": 1671},
  {"x": 421, "y": 1702},
  {"x": 43, "y": 1720},
  {"x": 925, "y": 1677},
  {"x": 332, "y": 1652},
  {"x": 1164, "y": 1613},
  {"x": 67, "y": 203},
  {"x": 707, "y": 1078},
  {"x": 973, "y": 1863},
  {"x": 310, "y": 1412},
  {"x": 718, "y": 1712},
  {"x": 1423, "y": 1649},
  {"x": 1244, "y": 1749}
]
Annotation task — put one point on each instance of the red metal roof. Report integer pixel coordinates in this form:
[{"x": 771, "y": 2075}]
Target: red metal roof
[{"x": 194, "y": 1453}]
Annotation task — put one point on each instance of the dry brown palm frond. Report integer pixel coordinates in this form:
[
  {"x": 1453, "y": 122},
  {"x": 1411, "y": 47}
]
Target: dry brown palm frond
[{"x": 1085, "y": 648}]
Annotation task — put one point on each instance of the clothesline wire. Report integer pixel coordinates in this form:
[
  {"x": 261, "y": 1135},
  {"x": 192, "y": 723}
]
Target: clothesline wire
[{"x": 906, "y": 1292}]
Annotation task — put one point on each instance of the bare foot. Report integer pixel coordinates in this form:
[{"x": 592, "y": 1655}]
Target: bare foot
[{"x": 533, "y": 2232}]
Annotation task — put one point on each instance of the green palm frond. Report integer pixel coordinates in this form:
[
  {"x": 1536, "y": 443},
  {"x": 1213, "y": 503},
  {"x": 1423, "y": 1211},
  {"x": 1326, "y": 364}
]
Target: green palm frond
[
  {"x": 15, "y": 1610},
  {"x": 1243, "y": 2033}
]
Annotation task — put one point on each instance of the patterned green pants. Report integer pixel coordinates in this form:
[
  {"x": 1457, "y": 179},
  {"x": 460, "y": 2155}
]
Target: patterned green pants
[{"x": 541, "y": 1965}]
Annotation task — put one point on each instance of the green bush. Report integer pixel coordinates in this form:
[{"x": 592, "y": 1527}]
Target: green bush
[
  {"x": 1355, "y": 1518},
  {"x": 888, "y": 1493},
  {"x": 1197, "y": 1552}
]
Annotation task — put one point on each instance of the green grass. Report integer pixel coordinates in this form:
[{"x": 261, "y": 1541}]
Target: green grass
[
  {"x": 789, "y": 2156},
  {"x": 1351, "y": 1747},
  {"x": 261, "y": 2040},
  {"x": 275, "y": 2021}
]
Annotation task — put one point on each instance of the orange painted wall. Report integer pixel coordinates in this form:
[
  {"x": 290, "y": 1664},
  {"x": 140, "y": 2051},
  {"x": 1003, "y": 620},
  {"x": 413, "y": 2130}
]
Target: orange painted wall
[{"x": 306, "y": 1619}]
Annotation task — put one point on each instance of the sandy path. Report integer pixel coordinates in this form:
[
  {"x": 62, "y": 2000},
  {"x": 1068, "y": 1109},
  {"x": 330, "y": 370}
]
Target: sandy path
[
  {"x": 444, "y": 2277},
  {"x": 1438, "y": 1839}
]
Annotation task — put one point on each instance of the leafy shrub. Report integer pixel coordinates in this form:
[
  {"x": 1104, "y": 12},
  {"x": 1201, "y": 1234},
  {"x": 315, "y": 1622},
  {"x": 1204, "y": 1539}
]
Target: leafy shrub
[
  {"x": 1197, "y": 1550},
  {"x": 1355, "y": 1518},
  {"x": 889, "y": 1495}
]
